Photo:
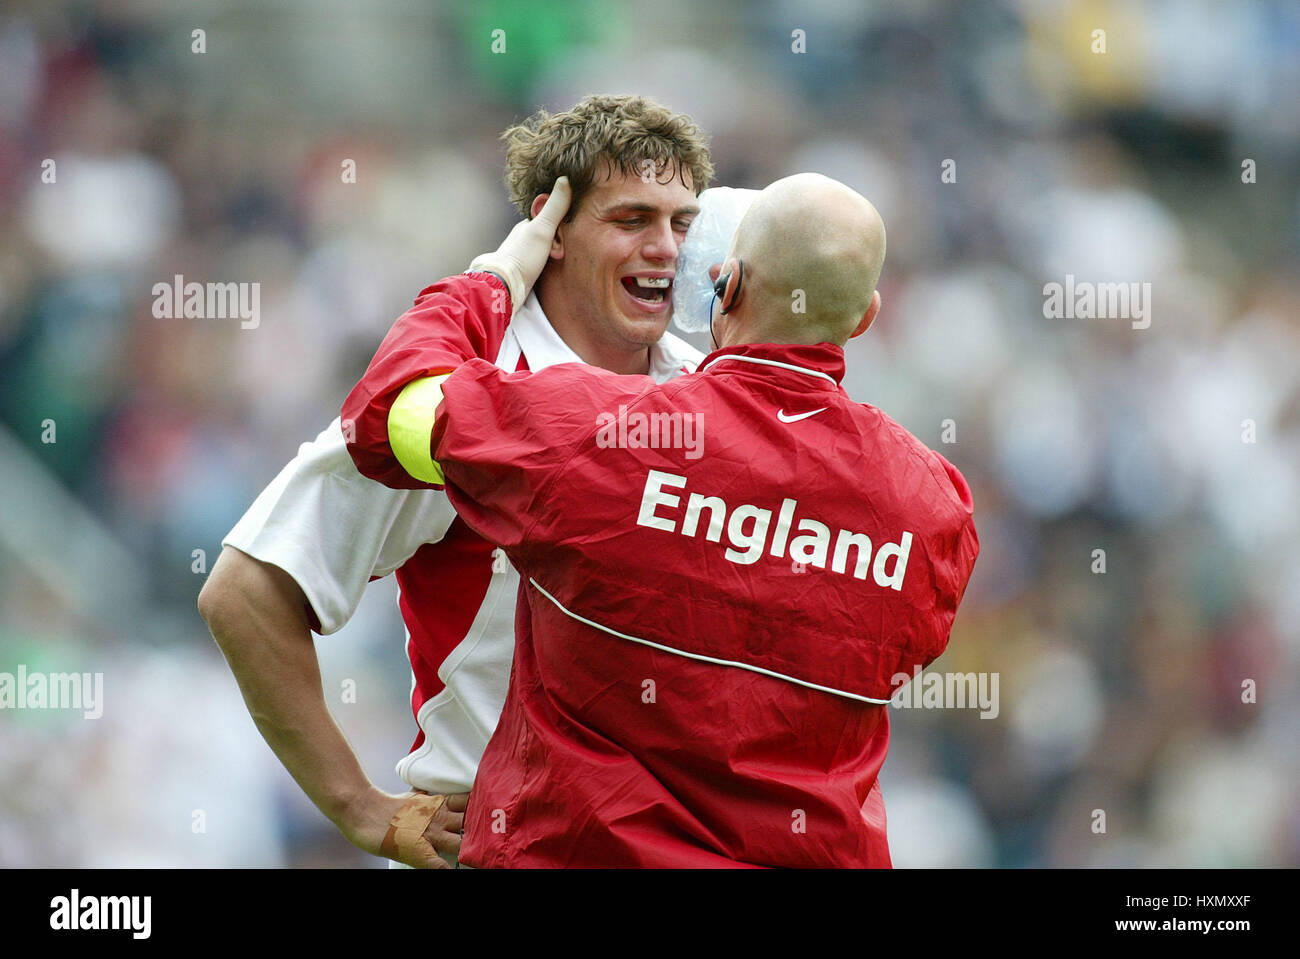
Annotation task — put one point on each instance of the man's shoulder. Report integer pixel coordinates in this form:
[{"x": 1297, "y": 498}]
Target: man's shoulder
[
  {"x": 948, "y": 479},
  {"x": 322, "y": 472},
  {"x": 470, "y": 283},
  {"x": 473, "y": 299}
]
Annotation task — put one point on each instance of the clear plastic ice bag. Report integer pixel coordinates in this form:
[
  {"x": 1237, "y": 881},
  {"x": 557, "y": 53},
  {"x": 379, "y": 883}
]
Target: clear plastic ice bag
[{"x": 707, "y": 242}]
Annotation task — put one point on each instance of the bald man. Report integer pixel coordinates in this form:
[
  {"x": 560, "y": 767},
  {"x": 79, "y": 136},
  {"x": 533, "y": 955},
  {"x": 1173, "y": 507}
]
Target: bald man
[
  {"x": 722, "y": 577},
  {"x": 810, "y": 234}
]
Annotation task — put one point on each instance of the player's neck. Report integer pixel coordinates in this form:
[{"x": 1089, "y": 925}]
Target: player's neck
[{"x": 591, "y": 349}]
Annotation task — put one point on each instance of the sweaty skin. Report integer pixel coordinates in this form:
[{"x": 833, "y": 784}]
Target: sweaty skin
[
  {"x": 257, "y": 615},
  {"x": 625, "y": 225},
  {"x": 811, "y": 233}
]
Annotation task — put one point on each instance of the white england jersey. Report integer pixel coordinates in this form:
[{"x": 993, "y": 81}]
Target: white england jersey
[{"x": 333, "y": 530}]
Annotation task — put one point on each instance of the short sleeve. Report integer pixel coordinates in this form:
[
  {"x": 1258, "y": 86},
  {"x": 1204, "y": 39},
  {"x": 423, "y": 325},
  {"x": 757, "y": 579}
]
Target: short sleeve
[{"x": 333, "y": 530}]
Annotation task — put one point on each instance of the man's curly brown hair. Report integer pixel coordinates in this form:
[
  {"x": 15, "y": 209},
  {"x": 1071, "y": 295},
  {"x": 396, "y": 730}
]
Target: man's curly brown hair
[{"x": 602, "y": 133}]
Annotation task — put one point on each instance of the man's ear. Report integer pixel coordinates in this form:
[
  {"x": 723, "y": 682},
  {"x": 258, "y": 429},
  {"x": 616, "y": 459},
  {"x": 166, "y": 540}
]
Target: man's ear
[
  {"x": 868, "y": 317},
  {"x": 733, "y": 272},
  {"x": 557, "y": 244}
]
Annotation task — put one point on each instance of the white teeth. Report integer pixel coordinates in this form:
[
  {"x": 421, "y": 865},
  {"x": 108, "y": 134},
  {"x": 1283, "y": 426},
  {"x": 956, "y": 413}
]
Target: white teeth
[{"x": 652, "y": 282}]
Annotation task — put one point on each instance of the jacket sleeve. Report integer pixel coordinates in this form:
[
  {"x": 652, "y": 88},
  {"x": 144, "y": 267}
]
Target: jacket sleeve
[
  {"x": 504, "y": 440},
  {"x": 957, "y": 542},
  {"x": 456, "y": 319}
]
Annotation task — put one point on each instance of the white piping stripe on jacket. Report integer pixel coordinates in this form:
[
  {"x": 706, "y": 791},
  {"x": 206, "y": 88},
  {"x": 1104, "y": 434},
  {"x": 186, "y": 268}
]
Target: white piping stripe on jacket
[
  {"x": 784, "y": 366},
  {"x": 706, "y": 659}
]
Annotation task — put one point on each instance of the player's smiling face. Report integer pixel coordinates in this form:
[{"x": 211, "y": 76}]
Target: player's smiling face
[{"x": 610, "y": 291}]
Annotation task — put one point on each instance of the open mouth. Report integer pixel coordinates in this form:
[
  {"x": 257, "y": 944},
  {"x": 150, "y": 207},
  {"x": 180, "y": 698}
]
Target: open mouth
[{"x": 648, "y": 288}]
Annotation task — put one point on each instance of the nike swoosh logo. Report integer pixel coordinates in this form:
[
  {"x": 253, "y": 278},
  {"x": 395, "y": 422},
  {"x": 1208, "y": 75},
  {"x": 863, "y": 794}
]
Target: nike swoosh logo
[{"x": 780, "y": 415}]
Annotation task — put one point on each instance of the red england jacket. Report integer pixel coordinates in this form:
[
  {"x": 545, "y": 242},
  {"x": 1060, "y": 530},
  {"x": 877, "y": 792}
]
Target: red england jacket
[{"x": 724, "y": 578}]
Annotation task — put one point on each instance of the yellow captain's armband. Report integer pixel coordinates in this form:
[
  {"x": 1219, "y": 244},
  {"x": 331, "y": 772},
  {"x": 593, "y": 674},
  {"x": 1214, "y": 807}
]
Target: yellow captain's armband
[{"x": 410, "y": 427}]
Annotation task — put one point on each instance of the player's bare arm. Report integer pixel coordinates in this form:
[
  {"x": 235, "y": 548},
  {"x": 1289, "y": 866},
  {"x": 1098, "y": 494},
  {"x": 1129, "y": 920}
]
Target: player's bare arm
[
  {"x": 410, "y": 530},
  {"x": 258, "y": 616}
]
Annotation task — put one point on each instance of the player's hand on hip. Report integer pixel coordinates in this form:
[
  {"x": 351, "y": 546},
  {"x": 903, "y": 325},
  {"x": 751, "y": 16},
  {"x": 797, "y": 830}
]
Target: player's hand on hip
[
  {"x": 522, "y": 257},
  {"x": 411, "y": 828}
]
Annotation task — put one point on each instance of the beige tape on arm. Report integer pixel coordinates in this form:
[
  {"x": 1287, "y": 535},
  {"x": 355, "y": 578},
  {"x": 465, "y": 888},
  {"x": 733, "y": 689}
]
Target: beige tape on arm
[{"x": 410, "y": 427}]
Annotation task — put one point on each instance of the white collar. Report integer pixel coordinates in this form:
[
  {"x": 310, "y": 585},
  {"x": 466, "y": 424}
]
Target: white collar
[
  {"x": 764, "y": 362},
  {"x": 670, "y": 357}
]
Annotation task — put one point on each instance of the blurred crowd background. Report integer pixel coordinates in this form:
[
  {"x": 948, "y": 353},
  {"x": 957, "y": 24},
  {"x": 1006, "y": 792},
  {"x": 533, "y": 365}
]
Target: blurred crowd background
[{"x": 1175, "y": 449}]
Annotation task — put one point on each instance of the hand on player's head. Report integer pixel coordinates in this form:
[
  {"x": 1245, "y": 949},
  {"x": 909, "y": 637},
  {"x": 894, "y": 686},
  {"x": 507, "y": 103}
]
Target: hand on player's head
[
  {"x": 554, "y": 205},
  {"x": 520, "y": 259}
]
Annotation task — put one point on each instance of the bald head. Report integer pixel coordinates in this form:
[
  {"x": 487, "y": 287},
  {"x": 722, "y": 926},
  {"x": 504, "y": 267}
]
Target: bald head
[{"x": 811, "y": 233}]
